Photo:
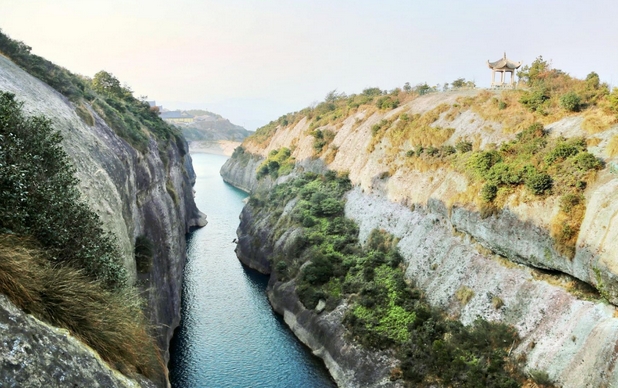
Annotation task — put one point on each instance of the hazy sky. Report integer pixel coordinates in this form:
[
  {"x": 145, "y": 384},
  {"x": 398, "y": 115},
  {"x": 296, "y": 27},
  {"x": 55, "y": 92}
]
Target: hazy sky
[{"x": 254, "y": 60}]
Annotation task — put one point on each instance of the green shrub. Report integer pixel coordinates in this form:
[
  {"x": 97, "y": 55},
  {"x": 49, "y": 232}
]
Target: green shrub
[
  {"x": 533, "y": 132},
  {"x": 322, "y": 139},
  {"x": 463, "y": 146},
  {"x": 504, "y": 174},
  {"x": 489, "y": 192},
  {"x": 571, "y": 102},
  {"x": 585, "y": 161},
  {"x": 537, "y": 182},
  {"x": 39, "y": 197},
  {"x": 540, "y": 377},
  {"x": 482, "y": 161},
  {"x": 565, "y": 149},
  {"x": 535, "y": 99},
  {"x": 279, "y": 162}
]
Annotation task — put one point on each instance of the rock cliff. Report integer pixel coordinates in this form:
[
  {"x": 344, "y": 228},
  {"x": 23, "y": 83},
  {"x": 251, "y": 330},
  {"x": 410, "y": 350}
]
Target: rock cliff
[
  {"x": 449, "y": 242},
  {"x": 134, "y": 193}
]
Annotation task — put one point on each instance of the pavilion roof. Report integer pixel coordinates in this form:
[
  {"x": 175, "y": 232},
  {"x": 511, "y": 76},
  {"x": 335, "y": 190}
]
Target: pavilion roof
[{"x": 504, "y": 64}]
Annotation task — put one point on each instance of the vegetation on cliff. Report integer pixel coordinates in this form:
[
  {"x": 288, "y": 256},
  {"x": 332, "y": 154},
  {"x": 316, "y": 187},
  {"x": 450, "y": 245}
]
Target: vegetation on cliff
[
  {"x": 326, "y": 262},
  {"x": 525, "y": 164},
  {"x": 130, "y": 118},
  {"x": 56, "y": 261}
]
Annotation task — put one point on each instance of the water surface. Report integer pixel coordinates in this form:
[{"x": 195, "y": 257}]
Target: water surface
[{"x": 229, "y": 336}]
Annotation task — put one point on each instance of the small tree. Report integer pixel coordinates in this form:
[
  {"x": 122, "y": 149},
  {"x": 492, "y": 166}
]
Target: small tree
[
  {"x": 106, "y": 84},
  {"x": 459, "y": 83}
]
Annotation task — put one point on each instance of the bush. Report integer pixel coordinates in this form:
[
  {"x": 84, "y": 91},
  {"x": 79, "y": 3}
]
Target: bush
[
  {"x": 538, "y": 183},
  {"x": 279, "y": 162},
  {"x": 39, "y": 197},
  {"x": 570, "y": 101},
  {"x": 535, "y": 99},
  {"x": 489, "y": 192},
  {"x": 463, "y": 146},
  {"x": 482, "y": 161},
  {"x": 585, "y": 161}
]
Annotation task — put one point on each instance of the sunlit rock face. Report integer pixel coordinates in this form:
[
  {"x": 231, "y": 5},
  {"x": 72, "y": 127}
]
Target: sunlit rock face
[
  {"x": 448, "y": 243},
  {"x": 134, "y": 193}
]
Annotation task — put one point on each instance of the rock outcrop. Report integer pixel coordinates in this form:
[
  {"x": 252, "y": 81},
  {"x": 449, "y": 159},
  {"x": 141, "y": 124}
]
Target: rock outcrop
[
  {"x": 448, "y": 243},
  {"x": 135, "y": 194},
  {"x": 35, "y": 354},
  {"x": 348, "y": 363}
]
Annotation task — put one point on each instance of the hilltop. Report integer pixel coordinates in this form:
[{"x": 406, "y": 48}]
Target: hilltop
[{"x": 207, "y": 131}]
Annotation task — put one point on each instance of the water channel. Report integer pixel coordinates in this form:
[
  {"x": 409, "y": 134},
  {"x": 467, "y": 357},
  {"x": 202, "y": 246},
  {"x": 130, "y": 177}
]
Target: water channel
[{"x": 229, "y": 336}]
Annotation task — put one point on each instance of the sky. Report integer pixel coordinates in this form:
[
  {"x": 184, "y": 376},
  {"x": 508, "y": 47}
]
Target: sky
[{"x": 255, "y": 60}]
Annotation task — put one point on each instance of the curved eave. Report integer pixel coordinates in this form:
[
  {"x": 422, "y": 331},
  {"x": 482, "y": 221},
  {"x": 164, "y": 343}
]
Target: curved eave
[{"x": 503, "y": 64}]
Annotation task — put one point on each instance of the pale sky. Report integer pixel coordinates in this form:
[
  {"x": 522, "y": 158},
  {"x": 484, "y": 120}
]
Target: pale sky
[{"x": 255, "y": 60}]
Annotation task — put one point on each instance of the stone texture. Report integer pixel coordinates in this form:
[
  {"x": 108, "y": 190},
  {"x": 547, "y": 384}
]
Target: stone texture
[
  {"x": 127, "y": 189},
  {"x": 34, "y": 354},
  {"x": 448, "y": 245}
]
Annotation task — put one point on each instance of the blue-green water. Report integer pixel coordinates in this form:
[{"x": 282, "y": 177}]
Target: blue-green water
[{"x": 229, "y": 336}]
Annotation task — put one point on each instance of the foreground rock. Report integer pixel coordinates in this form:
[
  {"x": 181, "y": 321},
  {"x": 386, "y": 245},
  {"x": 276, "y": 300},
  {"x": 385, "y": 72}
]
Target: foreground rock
[{"x": 34, "y": 354}]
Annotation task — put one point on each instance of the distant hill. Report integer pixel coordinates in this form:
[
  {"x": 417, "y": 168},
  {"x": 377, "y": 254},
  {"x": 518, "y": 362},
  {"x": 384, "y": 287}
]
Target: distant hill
[{"x": 209, "y": 126}]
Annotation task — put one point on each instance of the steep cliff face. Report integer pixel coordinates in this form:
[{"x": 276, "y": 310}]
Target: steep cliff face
[
  {"x": 448, "y": 242},
  {"x": 135, "y": 194},
  {"x": 322, "y": 331}
]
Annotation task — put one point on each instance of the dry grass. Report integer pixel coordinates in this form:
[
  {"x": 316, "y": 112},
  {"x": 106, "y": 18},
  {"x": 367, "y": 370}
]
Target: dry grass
[
  {"x": 574, "y": 286},
  {"x": 112, "y": 323},
  {"x": 514, "y": 117},
  {"x": 612, "y": 147},
  {"x": 593, "y": 141},
  {"x": 597, "y": 120},
  {"x": 464, "y": 294},
  {"x": 564, "y": 228}
]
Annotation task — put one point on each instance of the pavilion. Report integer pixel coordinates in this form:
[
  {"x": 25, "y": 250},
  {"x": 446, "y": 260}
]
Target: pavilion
[{"x": 502, "y": 66}]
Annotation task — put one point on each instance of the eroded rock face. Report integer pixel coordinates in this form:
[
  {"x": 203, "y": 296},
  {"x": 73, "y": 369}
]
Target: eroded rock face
[
  {"x": 323, "y": 332},
  {"x": 448, "y": 245},
  {"x": 572, "y": 339},
  {"x": 34, "y": 354},
  {"x": 134, "y": 194}
]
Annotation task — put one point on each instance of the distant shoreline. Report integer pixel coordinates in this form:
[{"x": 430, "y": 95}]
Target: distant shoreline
[{"x": 220, "y": 147}]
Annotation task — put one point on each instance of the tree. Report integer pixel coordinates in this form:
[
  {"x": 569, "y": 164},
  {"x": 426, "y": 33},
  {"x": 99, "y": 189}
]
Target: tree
[
  {"x": 536, "y": 72},
  {"x": 105, "y": 83},
  {"x": 459, "y": 83},
  {"x": 333, "y": 96},
  {"x": 407, "y": 88}
]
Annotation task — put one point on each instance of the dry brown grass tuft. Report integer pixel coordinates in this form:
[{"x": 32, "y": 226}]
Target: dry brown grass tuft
[
  {"x": 612, "y": 147},
  {"x": 112, "y": 323},
  {"x": 597, "y": 120},
  {"x": 593, "y": 141},
  {"x": 464, "y": 294},
  {"x": 565, "y": 225}
]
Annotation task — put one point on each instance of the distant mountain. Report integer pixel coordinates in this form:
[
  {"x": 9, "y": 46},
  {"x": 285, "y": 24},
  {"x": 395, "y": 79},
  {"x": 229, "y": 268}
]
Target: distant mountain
[{"x": 209, "y": 126}]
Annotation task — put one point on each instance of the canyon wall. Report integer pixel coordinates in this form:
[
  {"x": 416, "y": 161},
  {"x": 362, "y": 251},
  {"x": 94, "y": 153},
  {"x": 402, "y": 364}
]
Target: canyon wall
[{"x": 449, "y": 243}]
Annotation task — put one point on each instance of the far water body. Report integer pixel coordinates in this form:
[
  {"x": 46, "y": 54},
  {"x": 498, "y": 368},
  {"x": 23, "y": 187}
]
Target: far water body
[{"x": 229, "y": 336}]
